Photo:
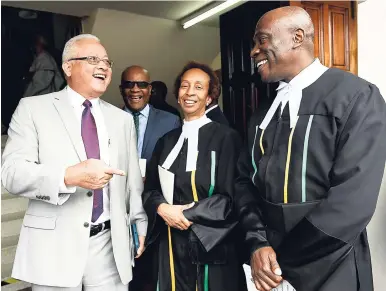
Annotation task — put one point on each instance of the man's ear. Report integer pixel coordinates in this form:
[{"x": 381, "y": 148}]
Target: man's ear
[
  {"x": 298, "y": 37},
  {"x": 66, "y": 66}
]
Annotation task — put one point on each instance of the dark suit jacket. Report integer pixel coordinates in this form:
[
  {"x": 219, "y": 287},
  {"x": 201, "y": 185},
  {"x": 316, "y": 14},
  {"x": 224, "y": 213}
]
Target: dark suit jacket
[
  {"x": 218, "y": 116},
  {"x": 164, "y": 106},
  {"x": 159, "y": 123}
]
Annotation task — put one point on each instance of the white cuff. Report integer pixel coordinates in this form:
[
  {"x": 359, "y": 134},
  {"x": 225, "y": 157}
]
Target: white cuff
[
  {"x": 63, "y": 188},
  {"x": 142, "y": 227}
]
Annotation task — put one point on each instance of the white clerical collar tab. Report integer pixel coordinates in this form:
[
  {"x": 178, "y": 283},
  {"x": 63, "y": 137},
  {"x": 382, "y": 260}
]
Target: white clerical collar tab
[
  {"x": 282, "y": 84},
  {"x": 190, "y": 131}
]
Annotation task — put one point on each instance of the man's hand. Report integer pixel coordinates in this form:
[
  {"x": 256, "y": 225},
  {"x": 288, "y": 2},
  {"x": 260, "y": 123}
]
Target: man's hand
[
  {"x": 266, "y": 272},
  {"x": 90, "y": 174},
  {"x": 141, "y": 248},
  {"x": 173, "y": 216}
]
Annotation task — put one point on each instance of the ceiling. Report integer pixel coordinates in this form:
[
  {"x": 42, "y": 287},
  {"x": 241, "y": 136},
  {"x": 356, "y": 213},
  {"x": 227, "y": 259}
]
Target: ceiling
[{"x": 172, "y": 10}]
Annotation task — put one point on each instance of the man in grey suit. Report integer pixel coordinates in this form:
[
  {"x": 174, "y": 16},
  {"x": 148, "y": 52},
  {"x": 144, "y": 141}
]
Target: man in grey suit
[
  {"x": 81, "y": 173},
  {"x": 151, "y": 125}
]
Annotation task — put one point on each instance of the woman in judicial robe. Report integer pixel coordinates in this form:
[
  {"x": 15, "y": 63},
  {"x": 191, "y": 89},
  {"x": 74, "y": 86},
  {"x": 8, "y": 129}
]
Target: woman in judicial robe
[{"x": 194, "y": 228}]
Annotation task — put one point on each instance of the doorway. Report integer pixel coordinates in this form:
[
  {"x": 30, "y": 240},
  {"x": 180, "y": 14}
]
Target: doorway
[
  {"x": 243, "y": 90},
  {"x": 19, "y": 28}
]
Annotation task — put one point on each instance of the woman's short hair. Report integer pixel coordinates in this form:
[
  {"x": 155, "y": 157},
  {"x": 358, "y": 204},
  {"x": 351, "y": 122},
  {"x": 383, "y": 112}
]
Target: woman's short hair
[{"x": 214, "y": 90}]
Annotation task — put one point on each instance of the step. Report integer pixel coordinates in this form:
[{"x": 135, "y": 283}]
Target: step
[
  {"x": 19, "y": 286},
  {"x": 3, "y": 141},
  {"x": 10, "y": 231},
  {"x": 5, "y": 194},
  {"x": 4, "y": 138},
  {"x": 7, "y": 258},
  {"x": 13, "y": 209}
]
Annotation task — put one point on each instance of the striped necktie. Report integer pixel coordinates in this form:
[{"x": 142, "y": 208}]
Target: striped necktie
[{"x": 136, "y": 115}]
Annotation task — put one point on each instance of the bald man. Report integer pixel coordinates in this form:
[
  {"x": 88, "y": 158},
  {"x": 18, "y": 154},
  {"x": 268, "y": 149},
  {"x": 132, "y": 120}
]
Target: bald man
[
  {"x": 151, "y": 124},
  {"x": 309, "y": 179}
]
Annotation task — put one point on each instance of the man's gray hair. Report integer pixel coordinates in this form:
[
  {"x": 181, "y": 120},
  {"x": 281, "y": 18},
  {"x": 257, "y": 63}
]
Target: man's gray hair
[{"x": 69, "y": 50}]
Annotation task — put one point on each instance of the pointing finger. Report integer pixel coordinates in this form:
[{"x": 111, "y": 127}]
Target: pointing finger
[{"x": 112, "y": 171}]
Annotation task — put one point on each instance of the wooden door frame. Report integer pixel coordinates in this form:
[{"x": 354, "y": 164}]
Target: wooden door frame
[{"x": 325, "y": 33}]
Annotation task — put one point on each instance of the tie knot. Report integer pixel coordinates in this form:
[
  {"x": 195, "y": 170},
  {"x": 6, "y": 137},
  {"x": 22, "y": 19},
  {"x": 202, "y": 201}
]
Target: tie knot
[
  {"x": 87, "y": 103},
  {"x": 136, "y": 113}
]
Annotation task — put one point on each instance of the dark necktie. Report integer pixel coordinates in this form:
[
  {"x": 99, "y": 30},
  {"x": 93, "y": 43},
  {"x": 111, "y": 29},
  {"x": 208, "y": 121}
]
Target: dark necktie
[
  {"x": 91, "y": 145},
  {"x": 136, "y": 115},
  {"x": 133, "y": 226}
]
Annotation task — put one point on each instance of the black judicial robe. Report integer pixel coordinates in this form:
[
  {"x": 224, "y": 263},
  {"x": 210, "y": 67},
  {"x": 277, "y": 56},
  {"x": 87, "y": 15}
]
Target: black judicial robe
[
  {"x": 204, "y": 257},
  {"x": 217, "y": 115},
  {"x": 310, "y": 192}
]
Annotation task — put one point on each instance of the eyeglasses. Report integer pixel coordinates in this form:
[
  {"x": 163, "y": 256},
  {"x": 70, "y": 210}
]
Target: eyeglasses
[
  {"x": 131, "y": 84},
  {"x": 92, "y": 60}
]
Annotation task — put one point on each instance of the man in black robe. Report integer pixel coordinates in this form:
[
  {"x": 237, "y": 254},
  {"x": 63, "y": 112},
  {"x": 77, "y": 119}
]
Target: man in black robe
[{"x": 309, "y": 179}]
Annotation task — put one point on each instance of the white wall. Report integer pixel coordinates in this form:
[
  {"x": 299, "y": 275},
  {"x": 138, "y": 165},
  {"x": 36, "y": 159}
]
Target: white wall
[
  {"x": 371, "y": 66},
  {"x": 216, "y": 65},
  {"x": 159, "y": 45}
]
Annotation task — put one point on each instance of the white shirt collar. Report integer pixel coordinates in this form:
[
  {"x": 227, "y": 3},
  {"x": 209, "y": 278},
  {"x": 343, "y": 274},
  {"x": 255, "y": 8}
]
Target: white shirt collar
[
  {"x": 210, "y": 109},
  {"x": 190, "y": 131},
  {"x": 292, "y": 92},
  {"x": 145, "y": 111},
  {"x": 77, "y": 100}
]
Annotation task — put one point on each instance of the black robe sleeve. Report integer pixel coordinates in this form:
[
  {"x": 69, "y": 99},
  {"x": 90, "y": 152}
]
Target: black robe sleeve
[
  {"x": 212, "y": 217},
  {"x": 331, "y": 228},
  {"x": 247, "y": 206},
  {"x": 152, "y": 196}
]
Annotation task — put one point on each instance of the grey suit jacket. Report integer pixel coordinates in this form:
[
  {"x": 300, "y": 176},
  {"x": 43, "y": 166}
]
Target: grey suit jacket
[{"x": 44, "y": 139}]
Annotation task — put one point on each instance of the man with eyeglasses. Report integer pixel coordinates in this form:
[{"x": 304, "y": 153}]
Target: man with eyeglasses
[
  {"x": 81, "y": 175},
  {"x": 151, "y": 125}
]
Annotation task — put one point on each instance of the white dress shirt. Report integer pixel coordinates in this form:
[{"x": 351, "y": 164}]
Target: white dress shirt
[
  {"x": 76, "y": 100},
  {"x": 292, "y": 92},
  {"x": 143, "y": 118}
]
